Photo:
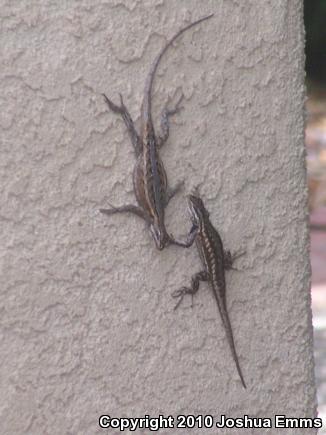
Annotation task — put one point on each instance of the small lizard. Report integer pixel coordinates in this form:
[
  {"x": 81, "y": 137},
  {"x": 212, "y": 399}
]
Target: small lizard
[
  {"x": 215, "y": 260},
  {"x": 149, "y": 177}
]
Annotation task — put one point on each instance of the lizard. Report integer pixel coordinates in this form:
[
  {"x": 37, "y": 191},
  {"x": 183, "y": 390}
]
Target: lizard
[
  {"x": 215, "y": 260},
  {"x": 149, "y": 176}
]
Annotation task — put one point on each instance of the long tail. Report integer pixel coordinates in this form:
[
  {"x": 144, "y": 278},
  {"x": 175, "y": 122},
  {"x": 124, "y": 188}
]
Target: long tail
[
  {"x": 229, "y": 335},
  {"x": 146, "y": 108}
]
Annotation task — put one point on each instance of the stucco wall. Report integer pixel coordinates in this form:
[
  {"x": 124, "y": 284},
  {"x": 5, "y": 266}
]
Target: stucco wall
[{"x": 87, "y": 319}]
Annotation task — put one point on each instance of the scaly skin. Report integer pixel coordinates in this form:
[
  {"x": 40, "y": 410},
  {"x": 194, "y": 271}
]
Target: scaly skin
[
  {"x": 215, "y": 261},
  {"x": 150, "y": 181}
]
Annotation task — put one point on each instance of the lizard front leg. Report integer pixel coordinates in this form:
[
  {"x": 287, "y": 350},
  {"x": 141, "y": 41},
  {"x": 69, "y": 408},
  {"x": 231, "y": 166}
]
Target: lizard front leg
[
  {"x": 129, "y": 208},
  {"x": 165, "y": 122},
  {"x": 189, "y": 241},
  {"x": 123, "y": 111},
  {"x": 195, "y": 281},
  {"x": 171, "y": 192}
]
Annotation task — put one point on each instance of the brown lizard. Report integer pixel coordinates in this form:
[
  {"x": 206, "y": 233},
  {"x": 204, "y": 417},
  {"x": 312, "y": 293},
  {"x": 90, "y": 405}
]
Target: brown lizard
[
  {"x": 149, "y": 177},
  {"x": 215, "y": 260}
]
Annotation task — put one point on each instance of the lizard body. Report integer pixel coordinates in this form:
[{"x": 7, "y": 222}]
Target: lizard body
[
  {"x": 149, "y": 177},
  {"x": 215, "y": 261}
]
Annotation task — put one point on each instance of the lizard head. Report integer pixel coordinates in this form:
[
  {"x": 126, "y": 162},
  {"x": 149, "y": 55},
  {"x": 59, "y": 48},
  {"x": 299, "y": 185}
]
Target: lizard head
[
  {"x": 159, "y": 235},
  {"x": 197, "y": 209}
]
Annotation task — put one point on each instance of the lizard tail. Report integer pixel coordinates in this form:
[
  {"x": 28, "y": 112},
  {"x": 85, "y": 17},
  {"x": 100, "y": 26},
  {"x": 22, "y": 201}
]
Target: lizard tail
[
  {"x": 229, "y": 334},
  {"x": 150, "y": 78}
]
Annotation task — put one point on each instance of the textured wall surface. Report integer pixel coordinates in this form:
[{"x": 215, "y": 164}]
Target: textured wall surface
[{"x": 87, "y": 319}]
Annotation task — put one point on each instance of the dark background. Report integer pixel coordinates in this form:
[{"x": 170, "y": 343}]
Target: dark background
[{"x": 315, "y": 24}]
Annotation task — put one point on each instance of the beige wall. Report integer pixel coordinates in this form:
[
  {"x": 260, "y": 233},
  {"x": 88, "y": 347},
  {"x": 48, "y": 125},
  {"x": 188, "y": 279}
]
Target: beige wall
[{"x": 87, "y": 320}]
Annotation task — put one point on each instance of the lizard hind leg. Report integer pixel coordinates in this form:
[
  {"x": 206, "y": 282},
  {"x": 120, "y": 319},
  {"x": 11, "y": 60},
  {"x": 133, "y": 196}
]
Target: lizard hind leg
[
  {"x": 123, "y": 112},
  {"x": 230, "y": 258},
  {"x": 165, "y": 122},
  {"x": 195, "y": 281},
  {"x": 114, "y": 107}
]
